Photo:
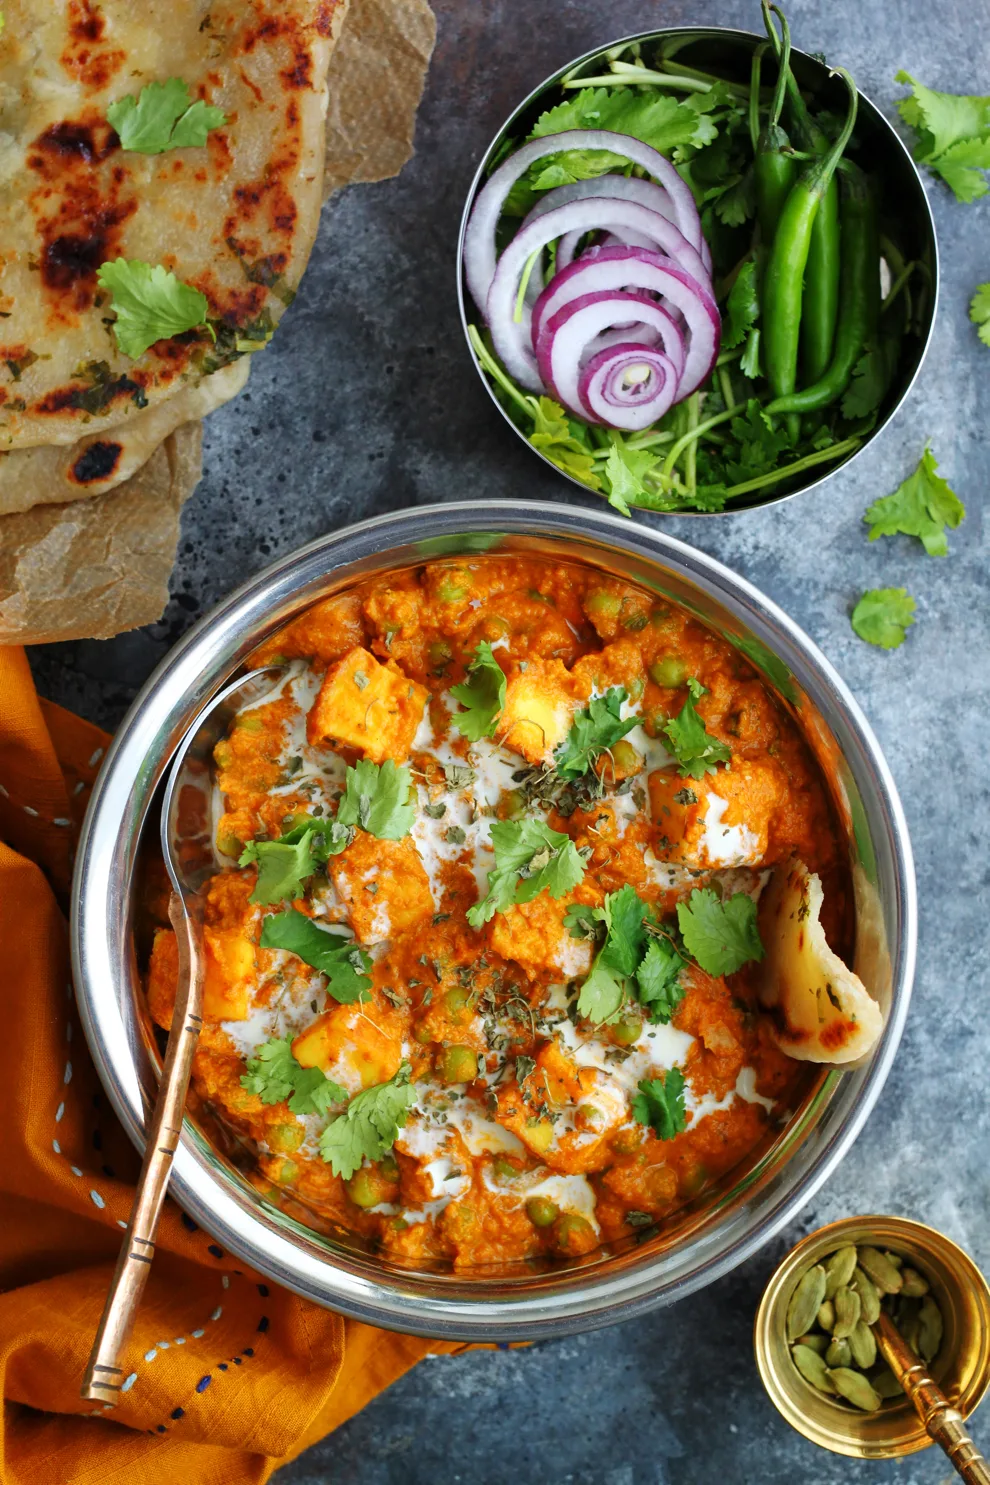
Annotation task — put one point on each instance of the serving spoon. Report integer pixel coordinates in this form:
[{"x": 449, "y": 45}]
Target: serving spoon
[{"x": 188, "y": 849}]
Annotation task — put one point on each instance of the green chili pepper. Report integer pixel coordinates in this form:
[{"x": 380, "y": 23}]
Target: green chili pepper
[
  {"x": 774, "y": 172},
  {"x": 821, "y": 298},
  {"x": 783, "y": 289},
  {"x": 859, "y": 311}
]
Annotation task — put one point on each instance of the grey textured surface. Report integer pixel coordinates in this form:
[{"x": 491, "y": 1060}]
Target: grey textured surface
[{"x": 366, "y": 402}]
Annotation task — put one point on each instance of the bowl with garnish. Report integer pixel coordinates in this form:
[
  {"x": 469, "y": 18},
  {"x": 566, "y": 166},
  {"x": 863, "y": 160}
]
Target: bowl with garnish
[
  {"x": 559, "y": 920},
  {"x": 697, "y": 270}
]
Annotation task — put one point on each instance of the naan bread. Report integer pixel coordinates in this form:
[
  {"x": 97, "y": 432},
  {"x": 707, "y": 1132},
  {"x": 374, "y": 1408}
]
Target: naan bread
[
  {"x": 235, "y": 218},
  {"x": 94, "y": 568},
  {"x": 52, "y": 474},
  {"x": 820, "y": 1011}
]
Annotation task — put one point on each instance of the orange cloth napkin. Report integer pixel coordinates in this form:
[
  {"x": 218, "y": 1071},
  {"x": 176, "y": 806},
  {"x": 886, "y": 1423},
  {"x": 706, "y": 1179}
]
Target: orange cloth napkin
[{"x": 228, "y": 1377}]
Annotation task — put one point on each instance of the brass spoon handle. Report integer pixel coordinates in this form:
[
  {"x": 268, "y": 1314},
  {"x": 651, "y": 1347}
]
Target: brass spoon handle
[
  {"x": 104, "y": 1375},
  {"x": 943, "y": 1422}
]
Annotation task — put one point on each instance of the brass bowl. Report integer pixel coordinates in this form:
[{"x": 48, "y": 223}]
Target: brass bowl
[{"x": 961, "y": 1368}]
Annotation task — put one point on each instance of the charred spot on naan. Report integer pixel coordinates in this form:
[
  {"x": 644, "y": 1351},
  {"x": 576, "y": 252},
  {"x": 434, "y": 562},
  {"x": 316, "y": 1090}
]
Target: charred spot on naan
[
  {"x": 96, "y": 462},
  {"x": 82, "y": 56}
]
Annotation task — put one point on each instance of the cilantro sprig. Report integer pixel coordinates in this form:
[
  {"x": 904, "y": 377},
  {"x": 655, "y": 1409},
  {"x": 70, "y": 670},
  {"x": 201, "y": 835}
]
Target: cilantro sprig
[
  {"x": 696, "y": 751},
  {"x": 379, "y": 797},
  {"x": 660, "y": 1104},
  {"x": 883, "y": 616},
  {"x": 953, "y": 135},
  {"x": 368, "y": 1128},
  {"x": 529, "y": 857},
  {"x": 285, "y": 864},
  {"x": 593, "y": 731},
  {"x": 923, "y": 505},
  {"x": 637, "y": 957},
  {"x": 276, "y": 1077},
  {"x": 720, "y": 936},
  {"x": 482, "y": 695},
  {"x": 335, "y": 955},
  {"x": 150, "y": 304},
  {"x": 979, "y": 312},
  {"x": 162, "y": 117}
]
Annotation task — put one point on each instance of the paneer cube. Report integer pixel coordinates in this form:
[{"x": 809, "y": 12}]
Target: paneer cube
[
  {"x": 533, "y": 935},
  {"x": 363, "y": 704},
  {"x": 722, "y": 819},
  {"x": 324, "y": 633},
  {"x": 350, "y": 1047},
  {"x": 383, "y": 885},
  {"x": 231, "y": 959},
  {"x": 539, "y": 704}
]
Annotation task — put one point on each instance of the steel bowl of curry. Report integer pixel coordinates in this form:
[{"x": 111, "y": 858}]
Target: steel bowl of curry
[{"x": 561, "y": 931}]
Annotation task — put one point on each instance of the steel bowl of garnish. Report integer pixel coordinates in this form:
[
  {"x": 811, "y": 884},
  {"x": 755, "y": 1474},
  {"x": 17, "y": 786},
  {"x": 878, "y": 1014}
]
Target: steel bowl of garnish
[
  {"x": 558, "y": 918},
  {"x": 697, "y": 270}
]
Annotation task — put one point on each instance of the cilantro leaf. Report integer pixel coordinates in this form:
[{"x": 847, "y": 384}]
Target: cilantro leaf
[
  {"x": 162, "y": 117},
  {"x": 742, "y": 306},
  {"x": 275, "y": 1075},
  {"x": 882, "y": 617},
  {"x": 761, "y": 441},
  {"x": 721, "y": 936},
  {"x": 344, "y": 962},
  {"x": 922, "y": 506},
  {"x": 368, "y": 1127},
  {"x": 660, "y": 1104},
  {"x": 624, "y": 471},
  {"x": 953, "y": 135},
  {"x": 284, "y": 864},
  {"x": 872, "y": 376},
  {"x": 604, "y": 990},
  {"x": 979, "y": 312},
  {"x": 482, "y": 693},
  {"x": 150, "y": 303},
  {"x": 528, "y": 857},
  {"x": 749, "y": 361},
  {"x": 658, "y": 986},
  {"x": 554, "y": 435},
  {"x": 736, "y": 202},
  {"x": 379, "y": 798},
  {"x": 593, "y": 731},
  {"x": 655, "y": 118},
  {"x": 696, "y": 751}
]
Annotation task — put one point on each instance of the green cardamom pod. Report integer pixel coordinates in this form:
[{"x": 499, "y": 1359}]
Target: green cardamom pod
[
  {"x": 826, "y": 1315},
  {"x": 863, "y": 1345},
  {"x": 814, "y": 1341},
  {"x": 854, "y": 1387},
  {"x": 886, "y": 1384},
  {"x": 839, "y": 1269},
  {"x": 869, "y": 1297},
  {"x": 929, "y": 1328},
  {"x": 913, "y": 1284},
  {"x": 839, "y": 1353},
  {"x": 894, "y": 1258},
  {"x": 847, "y": 1310},
  {"x": 806, "y": 1301},
  {"x": 812, "y": 1368},
  {"x": 885, "y": 1274}
]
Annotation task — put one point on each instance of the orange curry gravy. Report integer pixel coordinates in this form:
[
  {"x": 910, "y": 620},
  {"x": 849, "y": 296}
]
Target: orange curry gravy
[{"x": 522, "y": 1142}]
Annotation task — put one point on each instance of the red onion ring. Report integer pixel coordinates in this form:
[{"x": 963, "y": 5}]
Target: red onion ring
[
  {"x": 565, "y": 335},
  {"x": 479, "y": 239},
  {"x": 513, "y": 339},
  {"x": 615, "y": 269},
  {"x": 611, "y": 398}
]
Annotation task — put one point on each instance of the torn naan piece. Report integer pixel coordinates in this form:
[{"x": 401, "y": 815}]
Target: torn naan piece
[
  {"x": 233, "y": 217},
  {"x": 52, "y": 474},
  {"x": 820, "y": 1011}
]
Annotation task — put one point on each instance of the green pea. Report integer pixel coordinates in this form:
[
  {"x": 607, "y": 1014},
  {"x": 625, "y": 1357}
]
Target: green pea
[
  {"x": 627, "y": 1031},
  {"x": 541, "y": 1211},
  {"x": 439, "y": 652},
  {"x": 572, "y": 1232},
  {"x": 458, "y": 1064},
  {"x": 504, "y": 1170},
  {"x": 370, "y": 1186},
  {"x": 423, "y": 1035},
  {"x": 284, "y": 1138},
  {"x": 669, "y": 672},
  {"x": 450, "y": 591},
  {"x": 625, "y": 756},
  {"x": 250, "y": 723},
  {"x": 607, "y": 604},
  {"x": 288, "y": 1172},
  {"x": 455, "y": 1000},
  {"x": 229, "y": 845}
]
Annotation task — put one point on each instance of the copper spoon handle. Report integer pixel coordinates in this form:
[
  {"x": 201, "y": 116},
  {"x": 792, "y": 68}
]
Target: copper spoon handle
[
  {"x": 104, "y": 1375},
  {"x": 943, "y": 1422}
]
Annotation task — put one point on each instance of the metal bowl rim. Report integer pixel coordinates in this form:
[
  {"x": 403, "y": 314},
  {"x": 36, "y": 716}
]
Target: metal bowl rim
[
  {"x": 590, "y": 1300},
  {"x": 701, "y": 32}
]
